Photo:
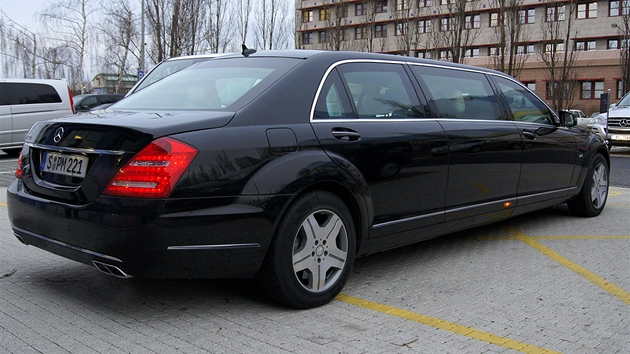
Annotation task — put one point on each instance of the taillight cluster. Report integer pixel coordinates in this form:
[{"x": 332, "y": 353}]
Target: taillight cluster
[
  {"x": 154, "y": 171},
  {"x": 18, "y": 170}
]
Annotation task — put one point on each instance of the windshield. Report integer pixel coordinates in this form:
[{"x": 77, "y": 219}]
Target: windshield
[
  {"x": 625, "y": 101},
  {"x": 213, "y": 85},
  {"x": 167, "y": 68}
]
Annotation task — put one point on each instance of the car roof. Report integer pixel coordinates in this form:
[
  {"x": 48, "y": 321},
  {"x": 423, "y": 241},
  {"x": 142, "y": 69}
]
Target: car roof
[{"x": 349, "y": 55}]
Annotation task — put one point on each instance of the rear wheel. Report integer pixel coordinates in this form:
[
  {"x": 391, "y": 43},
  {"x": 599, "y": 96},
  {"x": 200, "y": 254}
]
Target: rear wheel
[
  {"x": 311, "y": 255},
  {"x": 592, "y": 198}
]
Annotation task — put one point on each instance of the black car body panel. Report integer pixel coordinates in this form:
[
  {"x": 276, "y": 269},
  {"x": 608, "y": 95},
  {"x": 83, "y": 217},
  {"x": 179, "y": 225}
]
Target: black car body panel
[{"x": 409, "y": 173}]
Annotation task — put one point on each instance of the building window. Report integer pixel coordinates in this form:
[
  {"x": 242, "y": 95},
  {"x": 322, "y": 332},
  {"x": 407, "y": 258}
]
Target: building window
[
  {"x": 592, "y": 89},
  {"x": 424, "y": 3},
  {"x": 307, "y": 38},
  {"x": 359, "y": 33},
  {"x": 613, "y": 44},
  {"x": 531, "y": 86},
  {"x": 402, "y": 28},
  {"x": 554, "y": 47},
  {"x": 308, "y": 16},
  {"x": 616, "y": 7},
  {"x": 619, "y": 89},
  {"x": 555, "y": 13},
  {"x": 527, "y": 16},
  {"x": 323, "y": 37},
  {"x": 380, "y": 31},
  {"x": 446, "y": 24},
  {"x": 445, "y": 55},
  {"x": 381, "y": 6},
  {"x": 581, "y": 46},
  {"x": 587, "y": 10},
  {"x": 494, "y": 19},
  {"x": 360, "y": 10},
  {"x": 324, "y": 14},
  {"x": 525, "y": 49},
  {"x": 472, "y": 52},
  {"x": 493, "y": 51},
  {"x": 473, "y": 21},
  {"x": 550, "y": 90},
  {"x": 402, "y": 5},
  {"x": 424, "y": 26}
]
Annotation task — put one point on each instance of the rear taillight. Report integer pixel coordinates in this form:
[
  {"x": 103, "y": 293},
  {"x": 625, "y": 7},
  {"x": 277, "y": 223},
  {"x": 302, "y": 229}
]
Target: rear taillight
[
  {"x": 71, "y": 100},
  {"x": 154, "y": 171},
  {"x": 18, "y": 169}
]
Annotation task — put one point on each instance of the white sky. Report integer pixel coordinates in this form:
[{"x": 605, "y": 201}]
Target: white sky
[{"x": 24, "y": 11}]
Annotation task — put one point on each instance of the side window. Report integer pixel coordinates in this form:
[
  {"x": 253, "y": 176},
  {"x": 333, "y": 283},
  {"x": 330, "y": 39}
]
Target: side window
[
  {"x": 524, "y": 105},
  {"x": 459, "y": 93},
  {"x": 25, "y": 93},
  {"x": 381, "y": 90},
  {"x": 333, "y": 101},
  {"x": 89, "y": 102}
]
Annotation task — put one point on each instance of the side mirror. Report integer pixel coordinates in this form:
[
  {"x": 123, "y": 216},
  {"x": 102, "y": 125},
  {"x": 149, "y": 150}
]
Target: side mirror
[{"x": 567, "y": 119}]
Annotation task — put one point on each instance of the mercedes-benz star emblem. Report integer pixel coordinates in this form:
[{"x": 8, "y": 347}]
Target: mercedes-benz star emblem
[
  {"x": 58, "y": 134},
  {"x": 624, "y": 122}
]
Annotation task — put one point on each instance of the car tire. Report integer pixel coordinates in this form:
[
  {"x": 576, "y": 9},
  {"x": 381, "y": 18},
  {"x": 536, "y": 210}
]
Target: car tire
[
  {"x": 311, "y": 255},
  {"x": 594, "y": 193}
]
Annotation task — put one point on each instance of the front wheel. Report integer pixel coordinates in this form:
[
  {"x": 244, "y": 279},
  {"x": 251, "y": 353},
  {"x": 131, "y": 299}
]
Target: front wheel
[
  {"x": 592, "y": 197},
  {"x": 311, "y": 256}
]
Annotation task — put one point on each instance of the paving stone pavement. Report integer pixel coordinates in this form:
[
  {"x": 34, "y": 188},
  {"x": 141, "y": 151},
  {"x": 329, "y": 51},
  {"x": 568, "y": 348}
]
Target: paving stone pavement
[{"x": 542, "y": 282}]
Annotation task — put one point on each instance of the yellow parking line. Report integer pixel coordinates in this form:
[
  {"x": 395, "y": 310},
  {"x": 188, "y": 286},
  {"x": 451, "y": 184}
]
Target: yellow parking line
[
  {"x": 587, "y": 274},
  {"x": 2, "y": 204},
  {"x": 445, "y": 325}
]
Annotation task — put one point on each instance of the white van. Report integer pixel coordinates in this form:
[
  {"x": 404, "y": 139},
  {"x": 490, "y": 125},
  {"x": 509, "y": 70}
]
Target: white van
[{"x": 26, "y": 101}]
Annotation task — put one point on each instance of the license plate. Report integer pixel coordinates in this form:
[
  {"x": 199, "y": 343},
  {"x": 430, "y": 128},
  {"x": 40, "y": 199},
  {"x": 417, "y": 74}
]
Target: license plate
[
  {"x": 63, "y": 164},
  {"x": 619, "y": 137}
]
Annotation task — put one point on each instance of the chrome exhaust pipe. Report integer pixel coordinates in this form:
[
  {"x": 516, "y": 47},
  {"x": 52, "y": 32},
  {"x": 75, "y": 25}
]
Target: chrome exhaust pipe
[{"x": 110, "y": 270}]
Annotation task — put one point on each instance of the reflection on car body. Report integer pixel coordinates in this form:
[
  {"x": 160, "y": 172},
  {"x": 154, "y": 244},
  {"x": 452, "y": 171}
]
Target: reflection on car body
[{"x": 284, "y": 166}]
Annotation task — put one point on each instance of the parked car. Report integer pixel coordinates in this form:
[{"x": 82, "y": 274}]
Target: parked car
[
  {"x": 168, "y": 67},
  {"x": 84, "y": 103},
  {"x": 617, "y": 122},
  {"x": 26, "y": 101},
  {"x": 284, "y": 166},
  {"x": 582, "y": 119}
]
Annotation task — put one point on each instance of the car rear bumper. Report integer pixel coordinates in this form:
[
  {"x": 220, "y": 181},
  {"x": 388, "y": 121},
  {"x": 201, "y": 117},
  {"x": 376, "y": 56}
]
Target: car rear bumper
[{"x": 165, "y": 239}]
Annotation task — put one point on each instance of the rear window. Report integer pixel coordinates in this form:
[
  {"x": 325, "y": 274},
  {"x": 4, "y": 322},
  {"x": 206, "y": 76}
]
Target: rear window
[
  {"x": 214, "y": 85},
  {"x": 26, "y": 93}
]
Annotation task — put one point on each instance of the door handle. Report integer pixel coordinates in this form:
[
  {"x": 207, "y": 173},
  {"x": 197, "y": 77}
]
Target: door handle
[{"x": 345, "y": 134}]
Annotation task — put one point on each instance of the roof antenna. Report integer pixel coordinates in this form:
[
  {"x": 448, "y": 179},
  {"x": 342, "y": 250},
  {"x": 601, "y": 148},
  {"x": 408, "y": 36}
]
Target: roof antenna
[{"x": 246, "y": 51}]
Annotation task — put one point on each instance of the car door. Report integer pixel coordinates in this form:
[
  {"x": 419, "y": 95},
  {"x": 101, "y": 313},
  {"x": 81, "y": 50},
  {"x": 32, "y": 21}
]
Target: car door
[
  {"x": 549, "y": 150},
  {"x": 369, "y": 120},
  {"x": 483, "y": 146}
]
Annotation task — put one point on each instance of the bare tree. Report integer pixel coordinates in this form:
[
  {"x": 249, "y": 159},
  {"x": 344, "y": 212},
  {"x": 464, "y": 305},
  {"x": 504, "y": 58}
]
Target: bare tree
[
  {"x": 220, "y": 26},
  {"x": 406, "y": 25},
  {"x": 557, "y": 52},
  {"x": 71, "y": 21},
  {"x": 509, "y": 30},
  {"x": 272, "y": 24},
  {"x": 243, "y": 10},
  {"x": 624, "y": 46},
  {"x": 18, "y": 45},
  {"x": 120, "y": 32},
  {"x": 458, "y": 28}
]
